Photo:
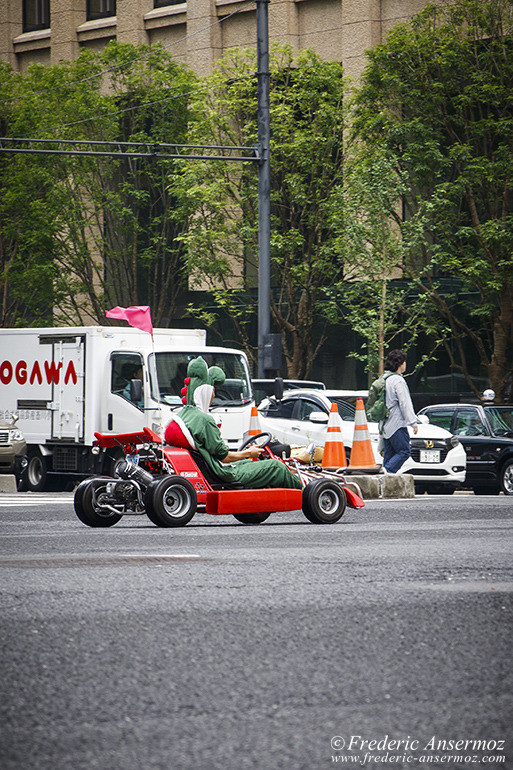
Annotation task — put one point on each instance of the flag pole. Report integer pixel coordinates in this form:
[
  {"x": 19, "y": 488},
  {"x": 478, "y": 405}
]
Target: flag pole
[
  {"x": 139, "y": 316},
  {"x": 157, "y": 388}
]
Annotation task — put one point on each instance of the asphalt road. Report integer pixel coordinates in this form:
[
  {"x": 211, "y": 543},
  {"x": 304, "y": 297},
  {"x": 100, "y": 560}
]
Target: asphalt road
[{"x": 285, "y": 645}]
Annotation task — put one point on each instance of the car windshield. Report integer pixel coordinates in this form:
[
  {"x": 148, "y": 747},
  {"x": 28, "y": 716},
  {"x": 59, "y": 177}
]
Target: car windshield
[
  {"x": 172, "y": 371},
  {"x": 501, "y": 419},
  {"x": 346, "y": 406}
]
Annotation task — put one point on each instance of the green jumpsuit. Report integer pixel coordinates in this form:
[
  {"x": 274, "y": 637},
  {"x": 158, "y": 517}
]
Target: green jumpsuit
[{"x": 252, "y": 474}]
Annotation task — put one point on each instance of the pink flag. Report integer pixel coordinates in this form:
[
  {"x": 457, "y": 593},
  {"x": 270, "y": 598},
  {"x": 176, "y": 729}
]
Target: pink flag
[{"x": 138, "y": 316}]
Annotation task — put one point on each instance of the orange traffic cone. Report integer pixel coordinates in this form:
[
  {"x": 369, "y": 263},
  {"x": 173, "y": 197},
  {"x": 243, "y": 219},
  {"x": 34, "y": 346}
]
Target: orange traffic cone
[
  {"x": 334, "y": 455},
  {"x": 254, "y": 423},
  {"x": 362, "y": 456}
]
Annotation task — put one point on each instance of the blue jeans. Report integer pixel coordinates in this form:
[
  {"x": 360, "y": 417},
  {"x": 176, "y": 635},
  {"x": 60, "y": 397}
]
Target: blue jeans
[{"x": 397, "y": 450}]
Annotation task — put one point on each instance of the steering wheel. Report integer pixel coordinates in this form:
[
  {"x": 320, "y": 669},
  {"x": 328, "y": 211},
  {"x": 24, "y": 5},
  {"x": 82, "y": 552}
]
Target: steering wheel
[{"x": 260, "y": 439}]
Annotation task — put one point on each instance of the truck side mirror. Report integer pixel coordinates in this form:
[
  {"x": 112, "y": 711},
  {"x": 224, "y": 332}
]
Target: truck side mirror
[
  {"x": 136, "y": 393},
  {"x": 278, "y": 388}
]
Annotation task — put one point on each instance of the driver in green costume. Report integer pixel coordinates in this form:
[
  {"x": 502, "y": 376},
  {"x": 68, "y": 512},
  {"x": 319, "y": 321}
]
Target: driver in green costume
[{"x": 227, "y": 465}]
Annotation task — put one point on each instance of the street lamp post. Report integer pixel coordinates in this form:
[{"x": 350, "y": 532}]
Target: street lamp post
[{"x": 264, "y": 182}]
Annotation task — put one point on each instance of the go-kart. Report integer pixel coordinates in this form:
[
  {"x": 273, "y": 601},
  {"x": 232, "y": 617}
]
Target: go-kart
[{"x": 170, "y": 483}]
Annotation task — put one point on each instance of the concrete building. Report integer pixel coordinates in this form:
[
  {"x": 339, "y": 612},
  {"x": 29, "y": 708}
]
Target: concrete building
[{"x": 196, "y": 32}]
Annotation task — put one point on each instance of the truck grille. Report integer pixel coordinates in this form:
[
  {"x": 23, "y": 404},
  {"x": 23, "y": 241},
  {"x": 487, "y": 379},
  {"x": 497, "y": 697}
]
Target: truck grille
[{"x": 4, "y": 437}]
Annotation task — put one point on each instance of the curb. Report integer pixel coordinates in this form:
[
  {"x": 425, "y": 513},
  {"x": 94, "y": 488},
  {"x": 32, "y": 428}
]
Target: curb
[
  {"x": 384, "y": 486},
  {"x": 8, "y": 483}
]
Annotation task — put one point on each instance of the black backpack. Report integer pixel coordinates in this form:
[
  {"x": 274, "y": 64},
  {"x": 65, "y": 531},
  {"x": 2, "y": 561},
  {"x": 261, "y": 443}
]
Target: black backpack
[{"x": 376, "y": 408}]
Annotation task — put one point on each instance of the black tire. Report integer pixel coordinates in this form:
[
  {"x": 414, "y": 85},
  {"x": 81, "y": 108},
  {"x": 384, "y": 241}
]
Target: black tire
[
  {"x": 440, "y": 489},
  {"x": 506, "y": 477},
  {"x": 86, "y": 510},
  {"x": 251, "y": 518},
  {"x": 171, "y": 501},
  {"x": 37, "y": 471},
  {"x": 486, "y": 490},
  {"x": 324, "y": 501}
]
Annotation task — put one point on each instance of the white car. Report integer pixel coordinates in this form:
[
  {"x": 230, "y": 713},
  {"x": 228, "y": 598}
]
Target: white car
[{"x": 438, "y": 460}]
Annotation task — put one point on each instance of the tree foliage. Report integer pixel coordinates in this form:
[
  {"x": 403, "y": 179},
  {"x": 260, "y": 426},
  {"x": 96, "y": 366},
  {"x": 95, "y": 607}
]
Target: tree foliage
[
  {"x": 92, "y": 233},
  {"x": 307, "y": 122},
  {"x": 439, "y": 95}
]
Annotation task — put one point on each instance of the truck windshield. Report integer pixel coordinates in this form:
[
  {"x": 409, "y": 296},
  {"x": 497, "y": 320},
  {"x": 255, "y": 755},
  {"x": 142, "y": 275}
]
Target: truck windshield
[{"x": 172, "y": 371}]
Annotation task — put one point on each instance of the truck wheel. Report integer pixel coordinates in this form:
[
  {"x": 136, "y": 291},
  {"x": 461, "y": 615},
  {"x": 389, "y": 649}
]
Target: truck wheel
[
  {"x": 506, "y": 477},
  {"x": 171, "y": 502},
  {"x": 87, "y": 511},
  {"x": 324, "y": 501},
  {"x": 36, "y": 472},
  {"x": 251, "y": 518}
]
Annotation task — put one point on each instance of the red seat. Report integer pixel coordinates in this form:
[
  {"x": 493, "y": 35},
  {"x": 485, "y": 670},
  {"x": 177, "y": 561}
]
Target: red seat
[{"x": 174, "y": 436}]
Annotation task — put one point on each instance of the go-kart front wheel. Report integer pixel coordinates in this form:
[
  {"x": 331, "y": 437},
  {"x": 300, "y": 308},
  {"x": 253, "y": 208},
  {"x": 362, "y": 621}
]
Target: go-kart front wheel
[
  {"x": 324, "y": 501},
  {"x": 251, "y": 518},
  {"x": 88, "y": 509},
  {"x": 171, "y": 501}
]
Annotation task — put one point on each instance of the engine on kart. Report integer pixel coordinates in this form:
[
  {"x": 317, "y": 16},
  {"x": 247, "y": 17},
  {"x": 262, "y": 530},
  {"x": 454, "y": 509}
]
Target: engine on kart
[{"x": 132, "y": 472}]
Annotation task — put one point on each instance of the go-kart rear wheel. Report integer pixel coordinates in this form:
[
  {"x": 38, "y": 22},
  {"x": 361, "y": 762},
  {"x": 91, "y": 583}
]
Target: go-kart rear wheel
[
  {"x": 251, "y": 518},
  {"x": 171, "y": 501},
  {"x": 324, "y": 501},
  {"x": 90, "y": 512}
]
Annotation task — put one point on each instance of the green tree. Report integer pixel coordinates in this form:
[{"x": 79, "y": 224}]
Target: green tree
[
  {"x": 307, "y": 123},
  {"x": 110, "y": 224},
  {"x": 379, "y": 304},
  {"x": 439, "y": 94}
]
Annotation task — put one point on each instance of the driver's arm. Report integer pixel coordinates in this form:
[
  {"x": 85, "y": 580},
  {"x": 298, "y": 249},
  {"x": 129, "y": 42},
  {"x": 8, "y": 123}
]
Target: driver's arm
[{"x": 243, "y": 454}]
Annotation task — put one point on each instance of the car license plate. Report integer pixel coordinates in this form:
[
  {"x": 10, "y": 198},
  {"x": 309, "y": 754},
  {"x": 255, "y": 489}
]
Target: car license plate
[{"x": 429, "y": 455}]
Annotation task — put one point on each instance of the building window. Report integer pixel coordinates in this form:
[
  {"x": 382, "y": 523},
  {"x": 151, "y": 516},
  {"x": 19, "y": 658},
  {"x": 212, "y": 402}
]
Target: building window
[
  {"x": 99, "y": 9},
  {"x": 36, "y": 15},
  {"x": 162, "y": 3}
]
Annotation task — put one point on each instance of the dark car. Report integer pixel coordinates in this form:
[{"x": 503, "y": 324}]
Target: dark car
[{"x": 486, "y": 432}]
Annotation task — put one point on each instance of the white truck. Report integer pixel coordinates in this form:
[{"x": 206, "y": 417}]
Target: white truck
[{"x": 67, "y": 383}]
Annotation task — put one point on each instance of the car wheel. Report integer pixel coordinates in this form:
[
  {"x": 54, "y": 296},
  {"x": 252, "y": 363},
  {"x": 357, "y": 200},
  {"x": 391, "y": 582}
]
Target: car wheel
[
  {"x": 440, "y": 489},
  {"x": 87, "y": 510},
  {"x": 506, "y": 478},
  {"x": 36, "y": 472},
  {"x": 251, "y": 518},
  {"x": 324, "y": 501},
  {"x": 171, "y": 501},
  {"x": 486, "y": 490}
]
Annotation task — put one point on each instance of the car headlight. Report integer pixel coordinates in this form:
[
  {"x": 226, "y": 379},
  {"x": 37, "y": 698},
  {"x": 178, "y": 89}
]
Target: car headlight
[
  {"x": 15, "y": 435},
  {"x": 453, "y": 441}
]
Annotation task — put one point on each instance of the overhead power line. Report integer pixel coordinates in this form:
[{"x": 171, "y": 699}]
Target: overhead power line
[
  {"x": 128, "y": 149},
  {"x": 132, "y": 108}
]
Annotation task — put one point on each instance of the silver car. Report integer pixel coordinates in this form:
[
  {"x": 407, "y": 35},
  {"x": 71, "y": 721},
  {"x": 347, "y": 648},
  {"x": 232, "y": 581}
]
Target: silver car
[{"x": 13, "y": 448}]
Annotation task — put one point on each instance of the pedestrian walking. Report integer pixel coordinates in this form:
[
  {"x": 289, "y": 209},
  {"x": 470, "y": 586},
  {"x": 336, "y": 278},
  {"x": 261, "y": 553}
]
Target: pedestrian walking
[{"x": 396, "y": 438}]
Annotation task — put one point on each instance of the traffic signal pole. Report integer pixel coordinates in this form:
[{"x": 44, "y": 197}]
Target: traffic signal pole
[{"x": 264, "y": 182}]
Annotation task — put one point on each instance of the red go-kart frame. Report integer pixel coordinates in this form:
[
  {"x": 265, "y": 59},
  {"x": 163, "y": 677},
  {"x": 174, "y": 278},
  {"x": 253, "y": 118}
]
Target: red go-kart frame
[{"x": 171, "y": 483}]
